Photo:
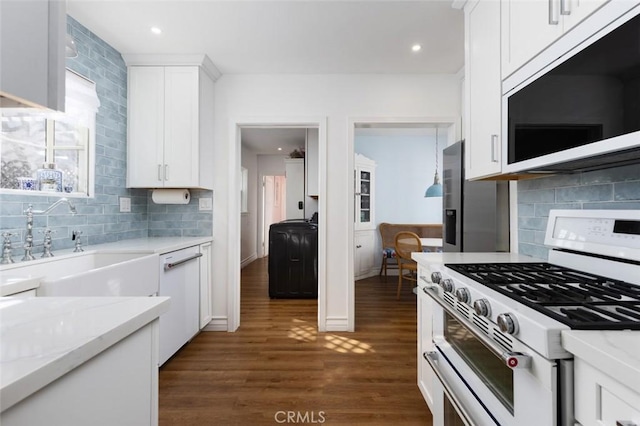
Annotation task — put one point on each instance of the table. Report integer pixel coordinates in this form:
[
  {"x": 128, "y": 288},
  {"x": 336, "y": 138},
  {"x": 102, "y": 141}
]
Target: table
[{"x": 431, "y": 242}]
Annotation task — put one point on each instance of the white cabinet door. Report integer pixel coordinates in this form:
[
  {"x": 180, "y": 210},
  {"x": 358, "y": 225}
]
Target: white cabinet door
[
  {"x": 294, "y": 171},
  {"x": 205, "y": 284},
  {"x": 364, "y": 257},
  {"x": 181, "y": 139},
  {"x": 170, "y": 119},
  {"x": 32, "y": 53},
  {"x": 145, "y": 147},
  {"x": 483, "y": 86},
  {"x": 312, "y": 162},
  {"x": 601, "y": 400},
  {"x": 529, "y": 26},
  {"x": 365, "y": 192}
]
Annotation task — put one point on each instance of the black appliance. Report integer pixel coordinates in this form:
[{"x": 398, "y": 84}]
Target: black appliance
[
  {"x": 293, "y": 259},
  {"x": 583, "y": 113},
  {"x": 476, "y": 213}
]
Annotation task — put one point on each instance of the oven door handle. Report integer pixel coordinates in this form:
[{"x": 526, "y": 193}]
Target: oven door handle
[
  {"x": 432, "y": 358},
  {"x": 512, "y": 360}
]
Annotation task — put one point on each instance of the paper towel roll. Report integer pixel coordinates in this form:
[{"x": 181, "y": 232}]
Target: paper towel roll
[{"x": 171, "y": 196}]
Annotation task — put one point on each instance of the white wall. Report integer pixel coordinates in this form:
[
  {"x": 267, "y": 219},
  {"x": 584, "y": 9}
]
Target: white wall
[
  {"x": 339, "y": 98},
  {"x": 248, "y": 224}
]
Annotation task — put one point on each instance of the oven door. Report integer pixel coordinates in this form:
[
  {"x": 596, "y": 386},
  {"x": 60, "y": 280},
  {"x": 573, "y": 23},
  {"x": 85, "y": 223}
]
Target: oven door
[{"x": 473, "y": 370}]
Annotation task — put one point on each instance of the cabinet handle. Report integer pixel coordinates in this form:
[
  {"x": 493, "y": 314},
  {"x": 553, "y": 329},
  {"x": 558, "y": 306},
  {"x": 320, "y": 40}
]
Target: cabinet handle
[
  {"x": 358, "y": 246},
  {"x": 159, "y": 172},
  {"x": 564, "y": 7},
  {"x": 625, "y": 423},
  {"x": 552, "y": 19},
  {"x": 166, "y": 172},
  {"x": 171, "y": 265},
  {"x": 494, "y": 148}
]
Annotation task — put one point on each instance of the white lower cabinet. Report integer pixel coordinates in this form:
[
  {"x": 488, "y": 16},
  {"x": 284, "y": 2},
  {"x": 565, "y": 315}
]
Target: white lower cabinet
[
  {"x": 364, "y": 257},
  {"x": 179, "y": 280},
  {"x": 205, "y": 284},
  {"x": 426, "y": 376},
  {"x": 601, "y": 400},
  {"x": 117, "y": 387}
]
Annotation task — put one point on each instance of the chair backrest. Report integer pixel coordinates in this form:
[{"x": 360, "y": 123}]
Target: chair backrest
[{"x": 407, "y": 243}]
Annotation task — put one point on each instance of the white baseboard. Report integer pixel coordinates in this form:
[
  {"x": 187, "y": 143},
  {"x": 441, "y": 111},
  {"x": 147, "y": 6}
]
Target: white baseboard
[
  {"x": 248, "y": 260},
  {"x": 216, "y": 324},
  {"x": 336, "y": 324}
]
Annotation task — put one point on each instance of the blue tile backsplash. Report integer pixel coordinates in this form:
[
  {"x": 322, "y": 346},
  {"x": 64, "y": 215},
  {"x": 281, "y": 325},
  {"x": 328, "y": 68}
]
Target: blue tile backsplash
[
  {"x": 615, "y": 188},
  {"x": 99, "y": 218}
]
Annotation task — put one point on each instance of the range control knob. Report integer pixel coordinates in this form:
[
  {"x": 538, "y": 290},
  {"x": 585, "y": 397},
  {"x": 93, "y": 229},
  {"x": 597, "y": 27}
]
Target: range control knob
[
  {"x": 508, "y": 324},
  {"x": 436, "y": 277},
  {"x": 447, "y": 285},
  {"x": 463, "y": 295},
  {"x": 482, "y": 307}
]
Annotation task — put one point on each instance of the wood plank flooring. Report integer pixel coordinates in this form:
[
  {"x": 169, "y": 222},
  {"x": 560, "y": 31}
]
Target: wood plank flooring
[{"x": 277, "y": 364}]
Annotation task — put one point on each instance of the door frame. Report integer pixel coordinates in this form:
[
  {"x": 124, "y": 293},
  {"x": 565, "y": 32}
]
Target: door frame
[
  {"x": 454, "y": 133},
  {"x": 235, "y": 156}
]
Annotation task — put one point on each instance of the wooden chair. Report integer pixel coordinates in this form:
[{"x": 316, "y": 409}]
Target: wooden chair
[
  {"x": 389, "y": 260},
  {"x": 405, "y": 244}
]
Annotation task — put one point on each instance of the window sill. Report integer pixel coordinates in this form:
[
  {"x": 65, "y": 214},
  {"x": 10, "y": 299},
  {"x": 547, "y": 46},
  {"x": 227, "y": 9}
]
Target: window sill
[{"x": 44, "y": 193}]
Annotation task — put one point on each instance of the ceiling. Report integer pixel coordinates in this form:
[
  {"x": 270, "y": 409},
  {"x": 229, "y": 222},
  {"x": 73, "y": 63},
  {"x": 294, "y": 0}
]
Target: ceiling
[{"x": 293, "y": 37}]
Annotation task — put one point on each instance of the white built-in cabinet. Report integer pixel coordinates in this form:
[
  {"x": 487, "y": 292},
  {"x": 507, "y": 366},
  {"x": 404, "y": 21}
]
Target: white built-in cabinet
[
  {"x": 170, "y": 133},
  {"x": 364, "y": 263},
  {"x": 118, "y": 386},
  {"x": 364, "y": 221},
  {"x": 295, "y": 198},
  {"x": 602, "y": 400},
  {"x": 32, "y": 53},
  {"x": 482, "y": 89},
  {"x": 529, "y": 26},
  {"x": 206, "y": 274},
  {"x": 311, "y": 162}
]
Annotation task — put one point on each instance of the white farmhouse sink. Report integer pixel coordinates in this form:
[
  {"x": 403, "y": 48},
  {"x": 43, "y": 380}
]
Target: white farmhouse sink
[{"x": 94, "y": 273}]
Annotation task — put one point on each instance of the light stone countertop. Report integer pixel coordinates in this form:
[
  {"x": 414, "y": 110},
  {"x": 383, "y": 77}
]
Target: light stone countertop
[
  {"x": 43, "y": 339},
  {"x": 430, "y": 259},
  {"x": 15, "y": 277},
  {"x": 614, "y": 352}
]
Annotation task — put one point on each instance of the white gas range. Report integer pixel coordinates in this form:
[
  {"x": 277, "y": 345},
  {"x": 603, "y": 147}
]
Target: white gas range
[{"x": 490, "y": 324}]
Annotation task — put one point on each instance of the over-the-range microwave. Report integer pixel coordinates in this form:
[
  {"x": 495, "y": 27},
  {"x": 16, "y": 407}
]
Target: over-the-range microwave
[{"x": 576, "y": 106}]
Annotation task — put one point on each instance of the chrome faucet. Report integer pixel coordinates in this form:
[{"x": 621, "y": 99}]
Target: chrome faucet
[
  {"x": 6, "y": 248},
  {"x": 28, "y": 239}
]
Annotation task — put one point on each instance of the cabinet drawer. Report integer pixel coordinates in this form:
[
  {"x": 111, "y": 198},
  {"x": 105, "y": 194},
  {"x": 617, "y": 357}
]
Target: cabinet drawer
[{"x": 601, "y": 400}]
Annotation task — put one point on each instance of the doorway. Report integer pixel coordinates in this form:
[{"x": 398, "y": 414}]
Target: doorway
[{"x": 237, "y": 156}]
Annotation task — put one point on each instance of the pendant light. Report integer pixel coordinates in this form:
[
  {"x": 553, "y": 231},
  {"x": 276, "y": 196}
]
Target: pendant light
[{"x": 435, "y": 190}]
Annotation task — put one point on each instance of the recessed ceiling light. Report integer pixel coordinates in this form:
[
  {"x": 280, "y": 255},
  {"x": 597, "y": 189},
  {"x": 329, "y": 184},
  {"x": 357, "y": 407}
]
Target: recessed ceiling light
[
  {"x": 416, "y": 47},
  {"x": 156, "y": 30},
  {"x": 279, "y": 149}
]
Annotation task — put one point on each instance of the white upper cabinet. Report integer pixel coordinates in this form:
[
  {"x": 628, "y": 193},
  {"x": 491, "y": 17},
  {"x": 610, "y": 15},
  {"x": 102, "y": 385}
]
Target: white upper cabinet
[
  {"x": 32, "y": 53},
  {"x": 482, "y": 89},
  {"x": 529, "y": 26},
  {"x": 170, "y": 134},
  {"x": 312, "y": 162}
]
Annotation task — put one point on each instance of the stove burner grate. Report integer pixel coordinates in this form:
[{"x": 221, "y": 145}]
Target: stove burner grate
[{"x": 580, "y": 300}]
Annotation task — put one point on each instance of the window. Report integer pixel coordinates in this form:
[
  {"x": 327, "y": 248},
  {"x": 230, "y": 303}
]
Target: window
[{"x": 45, "y": 152}]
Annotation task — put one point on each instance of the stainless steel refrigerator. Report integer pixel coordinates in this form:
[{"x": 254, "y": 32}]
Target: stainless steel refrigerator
[{"x": 475, "y": 213}]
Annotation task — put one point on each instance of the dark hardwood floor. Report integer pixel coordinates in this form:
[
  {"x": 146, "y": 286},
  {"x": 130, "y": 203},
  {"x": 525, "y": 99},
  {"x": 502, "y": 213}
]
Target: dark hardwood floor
[{"x": 277, "y": 368}]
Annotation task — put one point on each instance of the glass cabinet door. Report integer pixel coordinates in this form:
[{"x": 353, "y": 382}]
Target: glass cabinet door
[{"x": 364, "y": 192}]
